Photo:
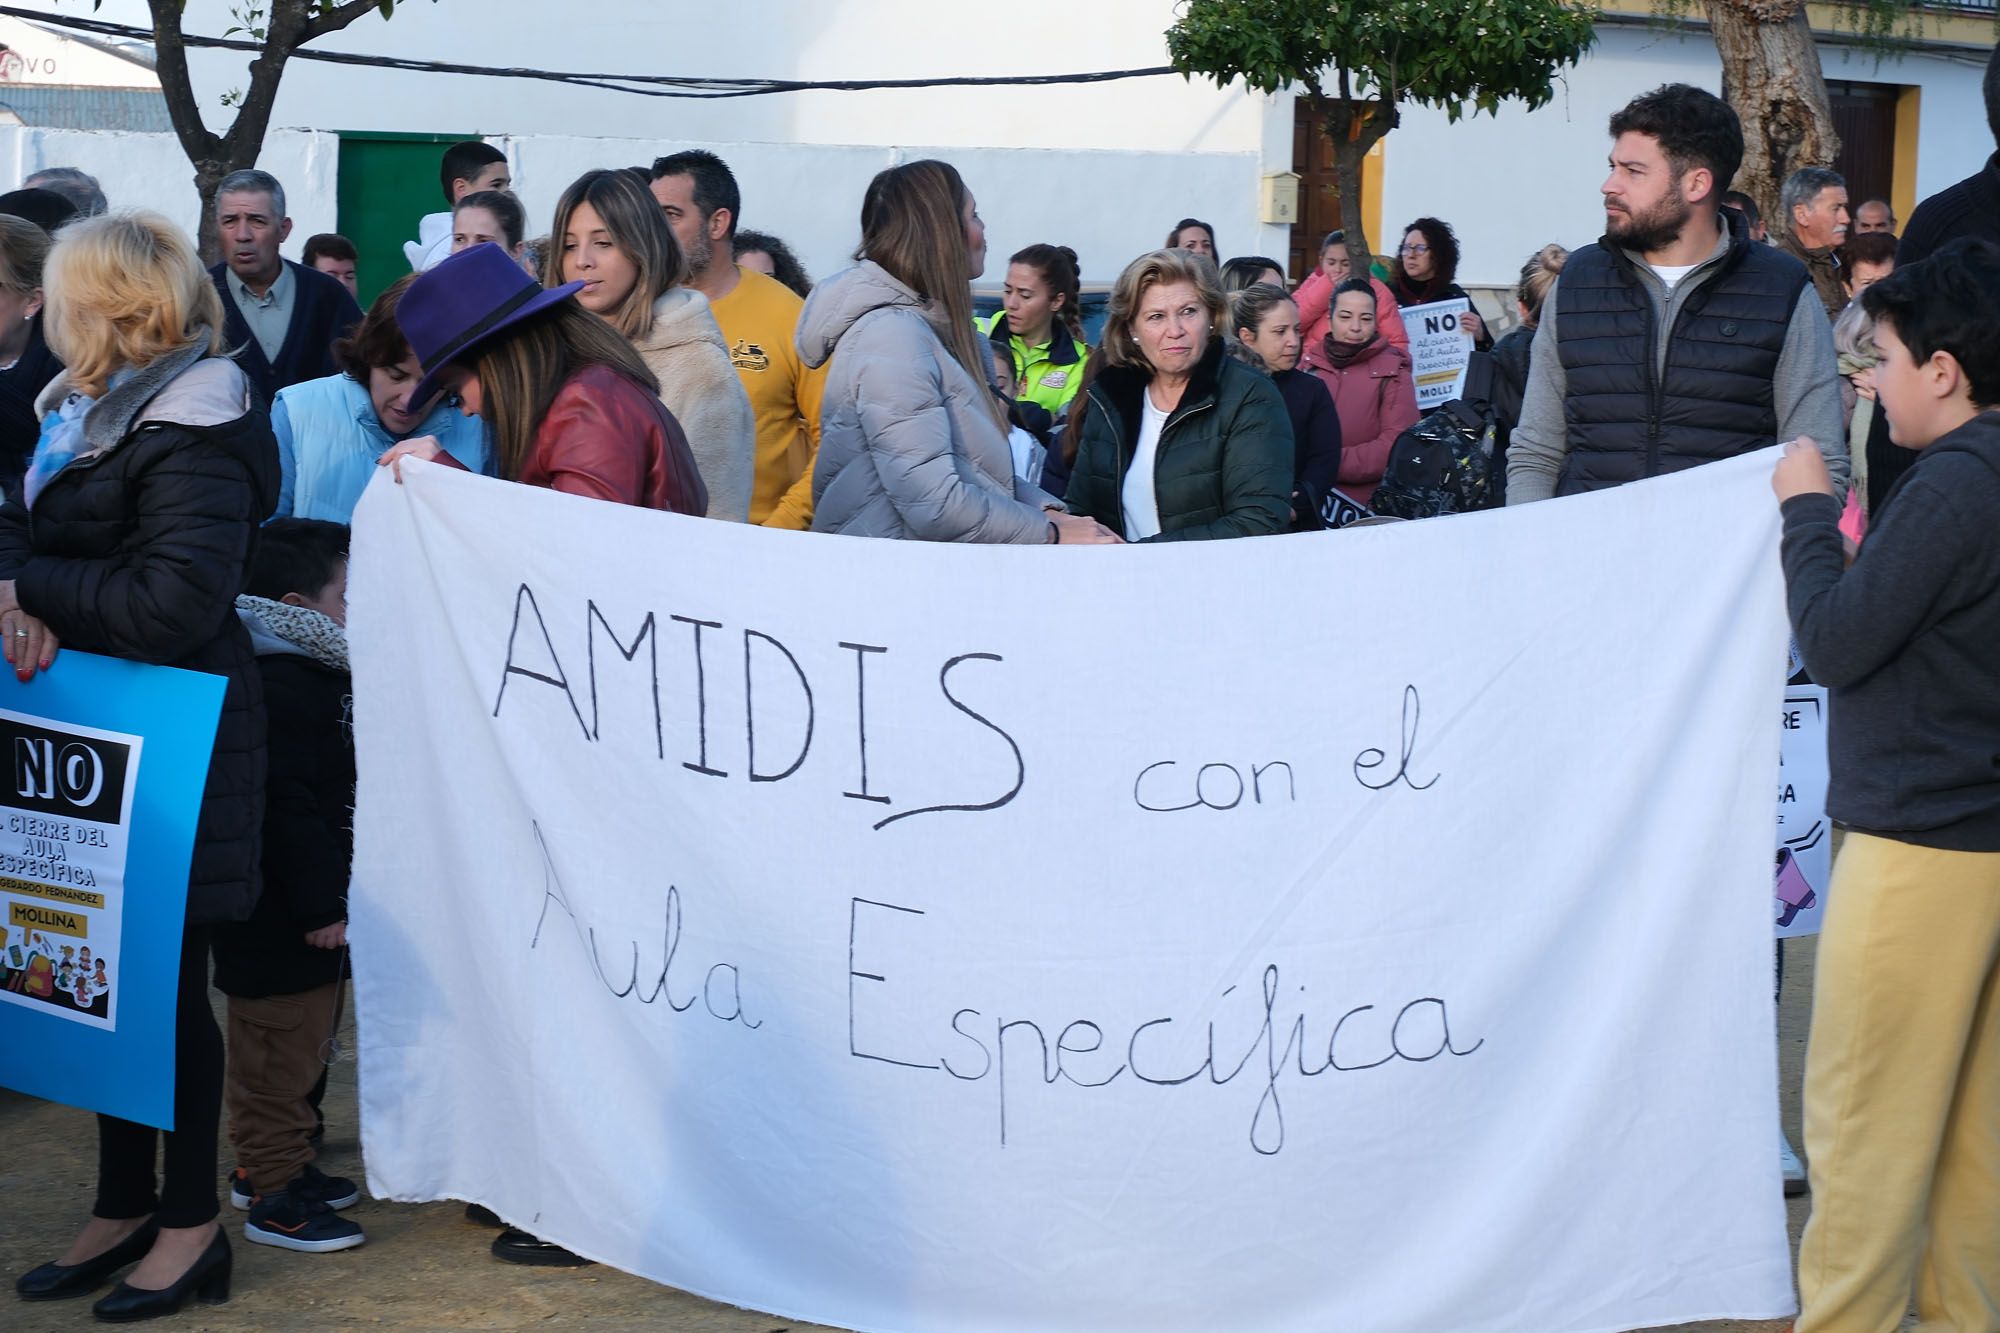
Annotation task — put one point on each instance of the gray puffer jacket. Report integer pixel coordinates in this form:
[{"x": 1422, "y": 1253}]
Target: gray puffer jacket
[{"x": 907, "y": 446}]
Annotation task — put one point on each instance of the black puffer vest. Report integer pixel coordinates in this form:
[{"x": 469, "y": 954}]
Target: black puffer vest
[{"x": 1623, "y": 421}]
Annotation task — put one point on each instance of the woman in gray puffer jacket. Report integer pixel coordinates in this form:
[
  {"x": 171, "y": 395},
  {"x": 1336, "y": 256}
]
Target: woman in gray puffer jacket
[{"x": 912, "y": 440}]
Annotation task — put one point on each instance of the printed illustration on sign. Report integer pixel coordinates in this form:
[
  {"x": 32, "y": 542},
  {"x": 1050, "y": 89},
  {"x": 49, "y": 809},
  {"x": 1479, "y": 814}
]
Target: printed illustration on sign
[
  {"x": 65, "y": 821},
  {"x": 1805, "y": 838}
]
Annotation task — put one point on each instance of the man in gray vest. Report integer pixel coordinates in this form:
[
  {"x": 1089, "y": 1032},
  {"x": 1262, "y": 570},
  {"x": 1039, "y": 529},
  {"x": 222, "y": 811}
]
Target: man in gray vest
[{"x": 1676, "y": 340}]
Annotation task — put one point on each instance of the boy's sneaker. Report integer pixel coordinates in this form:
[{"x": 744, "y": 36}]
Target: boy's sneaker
[
  {"x": 297, "y": 1220},
  {"x": 335, "y": 1192}
]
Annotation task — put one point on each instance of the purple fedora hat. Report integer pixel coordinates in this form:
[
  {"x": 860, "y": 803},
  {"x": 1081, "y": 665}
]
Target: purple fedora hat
[{"x": 463, "y": 302}]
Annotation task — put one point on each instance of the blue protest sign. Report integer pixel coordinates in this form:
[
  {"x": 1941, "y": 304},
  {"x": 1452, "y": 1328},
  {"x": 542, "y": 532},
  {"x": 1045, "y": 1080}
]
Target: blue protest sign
[{"x": 102, "y": 764}]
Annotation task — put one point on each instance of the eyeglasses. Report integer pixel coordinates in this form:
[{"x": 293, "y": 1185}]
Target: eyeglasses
[{"x": 1413, "y": 251}]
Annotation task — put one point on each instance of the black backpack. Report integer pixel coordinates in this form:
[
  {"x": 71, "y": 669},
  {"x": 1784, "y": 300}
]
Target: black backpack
[{"x": 1445, "y": 463}]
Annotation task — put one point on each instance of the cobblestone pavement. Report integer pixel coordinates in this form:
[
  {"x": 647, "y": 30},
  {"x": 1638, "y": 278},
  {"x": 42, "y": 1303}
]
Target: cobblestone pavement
[{"x": 425, "y": 1267}]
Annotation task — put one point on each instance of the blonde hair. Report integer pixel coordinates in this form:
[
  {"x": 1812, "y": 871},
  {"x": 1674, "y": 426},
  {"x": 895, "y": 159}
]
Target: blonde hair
[
  {"x": 125, "y": 289},
  {"x": 24, "y": 249},
  {"x": 1538, "y": 275},
  {"x": 1119, "y": 346},
  {"x": 1160, "y": 268},
  {"x": 637, "y": 226},
  {"x": 1854, "y": 337}
]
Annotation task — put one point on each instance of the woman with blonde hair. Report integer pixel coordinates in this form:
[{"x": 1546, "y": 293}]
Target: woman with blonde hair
[
  {"x": 1176, "y": 439},
  {"x": 140, "y": 510},
  {"x": 913, "y": 441},
  {"x": 26, "y": 363},
  {"x": 611, "y": 237},
  {"x": 1512, "y": 354}
]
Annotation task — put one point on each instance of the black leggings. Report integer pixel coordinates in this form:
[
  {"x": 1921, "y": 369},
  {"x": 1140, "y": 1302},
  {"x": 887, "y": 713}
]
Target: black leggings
[{"x": 187, "y": 1198}]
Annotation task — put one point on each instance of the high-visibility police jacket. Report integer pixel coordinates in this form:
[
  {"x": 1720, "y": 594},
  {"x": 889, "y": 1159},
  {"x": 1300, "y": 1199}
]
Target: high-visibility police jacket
[{"x": 1049, "y": 375}]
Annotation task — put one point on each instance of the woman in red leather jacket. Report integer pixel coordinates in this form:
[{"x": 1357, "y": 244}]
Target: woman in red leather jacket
[
  {"x": 571, "y": 404},
  {"x": 572, "y": 407}
]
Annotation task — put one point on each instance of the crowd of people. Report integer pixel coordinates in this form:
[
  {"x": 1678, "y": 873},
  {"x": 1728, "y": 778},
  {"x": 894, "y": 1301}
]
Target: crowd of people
[{"x": 183, "y": 448}]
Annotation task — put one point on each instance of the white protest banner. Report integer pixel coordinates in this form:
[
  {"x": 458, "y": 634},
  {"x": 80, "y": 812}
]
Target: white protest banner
[
  {"x": 1439, "y": 350},
  {"x": 1805, "y": 835},
  {"x": 1185, "y": 937}
]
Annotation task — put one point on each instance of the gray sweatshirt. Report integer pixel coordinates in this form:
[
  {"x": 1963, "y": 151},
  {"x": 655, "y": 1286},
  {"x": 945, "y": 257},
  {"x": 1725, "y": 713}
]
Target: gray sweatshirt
[
  {"x": 1806, "y": 388},
  {"x": 1906, "y": 641}
]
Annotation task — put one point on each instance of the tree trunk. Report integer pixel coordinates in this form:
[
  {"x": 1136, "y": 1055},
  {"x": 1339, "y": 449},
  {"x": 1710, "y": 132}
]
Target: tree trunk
[
  {"x": 1771, "y": 75},
  {"x": 1355, "y": 126},
  {"x": 290, "y": 25}
]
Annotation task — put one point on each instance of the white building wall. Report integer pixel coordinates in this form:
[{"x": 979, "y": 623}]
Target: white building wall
[
  {"x": 1953, "y": 139},
  {"x": 151, "y": 171}
]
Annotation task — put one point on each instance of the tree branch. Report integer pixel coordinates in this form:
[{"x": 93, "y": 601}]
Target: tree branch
[
  {"x": 170, "y": 63},
  {"x": 336, "y": 18},
  {"x": 284, "y": 35}
]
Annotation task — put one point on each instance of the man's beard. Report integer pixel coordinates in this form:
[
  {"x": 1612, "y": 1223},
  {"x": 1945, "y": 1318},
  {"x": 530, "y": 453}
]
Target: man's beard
[
  {"x": 699, "y": 255},
  {"x": 1649, "y": 233}
]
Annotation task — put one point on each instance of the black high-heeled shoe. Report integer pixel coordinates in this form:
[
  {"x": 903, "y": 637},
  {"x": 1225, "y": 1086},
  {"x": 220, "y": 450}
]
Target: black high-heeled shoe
[
  {"x": 56, "y": 1282},
  {"x": 207, "y": 1278}
]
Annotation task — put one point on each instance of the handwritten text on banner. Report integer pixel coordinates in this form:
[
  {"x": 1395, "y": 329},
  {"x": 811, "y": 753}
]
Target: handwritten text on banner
[{"x": 1360, "y": 930}]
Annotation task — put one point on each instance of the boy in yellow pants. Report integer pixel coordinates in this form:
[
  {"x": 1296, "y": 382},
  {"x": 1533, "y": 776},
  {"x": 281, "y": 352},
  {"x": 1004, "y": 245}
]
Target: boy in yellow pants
[{"x": 1902, "y": 1094}]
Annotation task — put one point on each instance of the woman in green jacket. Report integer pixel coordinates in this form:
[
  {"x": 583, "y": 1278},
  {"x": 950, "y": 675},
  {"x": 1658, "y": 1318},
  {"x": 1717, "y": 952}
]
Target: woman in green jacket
[
  {"x": 1041, "y": 326},
  {"x": 1176, "y": 441}
]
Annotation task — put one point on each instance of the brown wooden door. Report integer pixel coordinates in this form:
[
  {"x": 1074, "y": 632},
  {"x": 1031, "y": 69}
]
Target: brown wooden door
[
  {"x": 1319, "y": 197},
  {"x": 1864, "y": 116}
]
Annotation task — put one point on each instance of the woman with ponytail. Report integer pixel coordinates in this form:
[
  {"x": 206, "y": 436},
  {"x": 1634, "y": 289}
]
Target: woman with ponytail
[
  {"x": 1041, "y": 326},
  {"x": 913, "y": 441}
]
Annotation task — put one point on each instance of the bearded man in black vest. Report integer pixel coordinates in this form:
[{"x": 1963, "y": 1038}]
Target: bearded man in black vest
[{"x": 1676, "y": 340}]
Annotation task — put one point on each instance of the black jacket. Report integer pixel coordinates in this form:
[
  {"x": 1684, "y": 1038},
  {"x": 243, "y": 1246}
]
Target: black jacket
[
  {"x": 322, "y": 311},
  {"x": 1905, "y": 640},
  {"x": 1512, "y": 356},
  {"x": 308, "y": 835},
  {"x": 1969, "y": 208},
  {"x": 1625, "y": 420},
  {"x": 1224, "y": 465},
  {"x": 1315, "y": 440},
  {"x": 20, "y": 384},
  {"x": 139, "y": 550}
]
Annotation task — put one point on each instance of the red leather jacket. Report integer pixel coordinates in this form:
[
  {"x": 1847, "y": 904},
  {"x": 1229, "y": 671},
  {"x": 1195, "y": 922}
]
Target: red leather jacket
[{"x": 608, "y": 438}]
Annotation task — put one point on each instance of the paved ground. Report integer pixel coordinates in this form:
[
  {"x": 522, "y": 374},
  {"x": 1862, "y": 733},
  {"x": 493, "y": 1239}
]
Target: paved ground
[{"x": 425, "y": 1267}]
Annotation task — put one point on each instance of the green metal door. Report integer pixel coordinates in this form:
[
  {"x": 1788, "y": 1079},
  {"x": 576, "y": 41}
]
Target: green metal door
[{"x": 388, "y": 182}]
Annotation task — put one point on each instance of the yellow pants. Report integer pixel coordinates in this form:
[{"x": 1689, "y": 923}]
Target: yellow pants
[{"x": 1902, "y": 1095}]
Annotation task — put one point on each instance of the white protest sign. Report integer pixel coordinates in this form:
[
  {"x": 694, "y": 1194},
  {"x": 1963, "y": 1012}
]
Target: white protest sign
[
  {"x": 1805, "y": 835},
  {"x": 913, "y": 936},
  {"x": 1440, "y": 350}
]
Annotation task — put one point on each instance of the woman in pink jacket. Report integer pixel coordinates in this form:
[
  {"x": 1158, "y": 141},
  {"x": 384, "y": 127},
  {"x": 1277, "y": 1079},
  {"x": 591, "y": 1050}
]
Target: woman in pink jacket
[
  {"x": 1315, "y": 296},
  {"x": 1369, "y": 378}
]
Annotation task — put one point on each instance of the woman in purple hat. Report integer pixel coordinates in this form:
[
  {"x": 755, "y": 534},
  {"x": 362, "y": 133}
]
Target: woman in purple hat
[{"x": 570, "y": 403}]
